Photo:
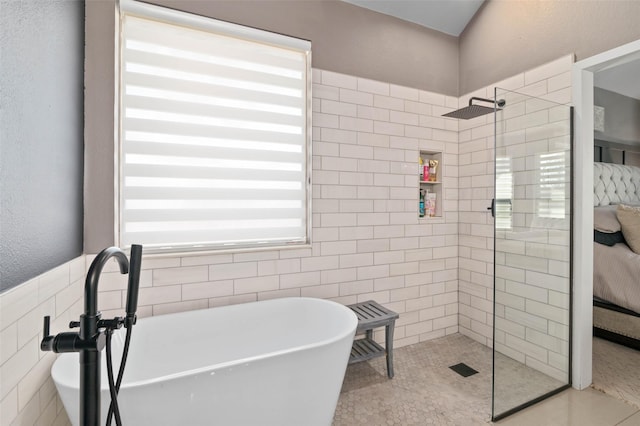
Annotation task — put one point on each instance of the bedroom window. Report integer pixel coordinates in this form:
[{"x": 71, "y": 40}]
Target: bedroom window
[
  {"x": 214, "y": 133},
  {"x": 552, "y": 183}
]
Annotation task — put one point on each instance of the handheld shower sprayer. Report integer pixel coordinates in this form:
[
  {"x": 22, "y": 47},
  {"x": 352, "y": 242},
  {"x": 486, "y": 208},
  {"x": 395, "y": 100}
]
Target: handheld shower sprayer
[{"x": 95, "y": 333}]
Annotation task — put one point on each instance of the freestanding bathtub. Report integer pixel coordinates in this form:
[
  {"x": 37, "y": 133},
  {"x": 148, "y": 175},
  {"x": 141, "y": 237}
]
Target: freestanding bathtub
[{"x": 277, "y": 362}]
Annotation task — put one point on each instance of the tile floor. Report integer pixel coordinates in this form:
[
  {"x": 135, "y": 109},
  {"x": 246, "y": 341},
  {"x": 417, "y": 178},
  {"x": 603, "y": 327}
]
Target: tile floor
[{"x": 425, "y": 391}]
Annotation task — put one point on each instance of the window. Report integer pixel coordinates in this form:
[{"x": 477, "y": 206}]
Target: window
[{"x": 214, "y": 133}]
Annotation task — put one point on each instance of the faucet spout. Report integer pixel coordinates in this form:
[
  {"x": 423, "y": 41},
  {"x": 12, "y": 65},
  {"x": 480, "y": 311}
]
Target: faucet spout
[{"x": 91, "y": 283}]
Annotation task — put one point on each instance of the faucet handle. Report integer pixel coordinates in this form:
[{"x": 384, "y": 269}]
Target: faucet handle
[
  {"x": 74, "y": 324},
  {"x": 47, "y": 340}
]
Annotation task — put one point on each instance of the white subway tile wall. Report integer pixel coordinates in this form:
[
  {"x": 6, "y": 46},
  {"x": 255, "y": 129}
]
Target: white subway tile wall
[
  {"x": 368, "y": 242},
  {"x": 28, "y": 395},
  {"x": 532, "y": 269}
]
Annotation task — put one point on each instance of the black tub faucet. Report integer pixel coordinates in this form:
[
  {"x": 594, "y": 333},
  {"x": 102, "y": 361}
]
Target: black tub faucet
[{"x": 90, "y": 340}]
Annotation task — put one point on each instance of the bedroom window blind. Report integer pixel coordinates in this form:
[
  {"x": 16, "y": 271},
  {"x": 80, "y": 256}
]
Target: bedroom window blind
[
  {"x": 504, "y": 193},
  {"x": 552, "y": 184},
  {"x": 214, "y": 133}
]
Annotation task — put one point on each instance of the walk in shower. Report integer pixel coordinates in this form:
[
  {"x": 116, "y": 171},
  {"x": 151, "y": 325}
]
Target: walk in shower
[{"x": 532, "y": 251}]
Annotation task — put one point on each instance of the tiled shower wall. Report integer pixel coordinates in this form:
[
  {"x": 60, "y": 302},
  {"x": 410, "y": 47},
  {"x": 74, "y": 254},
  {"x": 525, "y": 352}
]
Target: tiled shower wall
[{"x": 532, "y": 327}]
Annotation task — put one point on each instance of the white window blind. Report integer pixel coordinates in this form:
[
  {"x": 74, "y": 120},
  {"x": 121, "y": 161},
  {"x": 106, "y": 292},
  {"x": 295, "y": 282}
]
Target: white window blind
[
  {"x": 504, "y": 193},
  {"x": 214, "y": 133}
]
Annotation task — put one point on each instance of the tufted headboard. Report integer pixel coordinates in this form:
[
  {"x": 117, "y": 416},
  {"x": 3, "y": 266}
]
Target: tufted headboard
[{"x": 615, "y": 183}]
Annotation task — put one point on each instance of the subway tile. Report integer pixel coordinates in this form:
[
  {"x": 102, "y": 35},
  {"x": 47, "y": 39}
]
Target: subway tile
[
  {"x": 16, "y": 301},
  {"x": 30, "y": 324},
  {"x": 387, "y": 128},
  {"x": 275, "y": 267},
  {"x": 181, "y": 275},
  {"x": 303, "y": 279},
  {"x": 431, "y": 98},
  {"x": 373, "y": 86},
  {"x": 338, "y": 108},
  {"x": 324, "y": 262},
  {"x": 321, "y": 91},
  {"x": 356, "y": 151},
  {"x": 9, "y": 407},
  {"x": 278, "y": 294},
  {"x": 368, "y": 272},
  {"x": 171, "y": 308},
  {"x": 9, "y": 339},
  {"x": 388, "y": 283},
  {"x": 355, "y": 97},
  {"x": 338, "y": 136},
  {"x": 355, "y": 260},
  {"x": 356, "y": 232},
  {"x": 339, "y": 80},
  {"x": 156, "y": 295},
  {"x": 30, "y": 383},
  {"x": 355, "y": 124},
  {"x": 321, "y": 291},
  {"x": 233, "y": 300},
  {"x": 256, "y": 284},
  {"x": 17, "y": 367},
  {"x": 232, "y": 270},
  {"x": 338, "y": 275},
  {"x": 207, "y": 290},
  {"x": 404, "y": 92},
  {"x": 212, "y": 259},
  {"x": 372, "y": 113}
]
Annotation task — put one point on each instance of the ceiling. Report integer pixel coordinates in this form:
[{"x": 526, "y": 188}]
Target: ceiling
[{"x": 447, "y": 16}]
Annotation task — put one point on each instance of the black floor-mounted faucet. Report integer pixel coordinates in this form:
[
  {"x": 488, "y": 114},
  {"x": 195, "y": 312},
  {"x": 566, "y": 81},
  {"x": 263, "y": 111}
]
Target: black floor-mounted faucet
[{"x": 90, "y": 340}]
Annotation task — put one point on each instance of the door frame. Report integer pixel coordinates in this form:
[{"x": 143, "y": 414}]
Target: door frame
[{"x": 582, "y": 94}]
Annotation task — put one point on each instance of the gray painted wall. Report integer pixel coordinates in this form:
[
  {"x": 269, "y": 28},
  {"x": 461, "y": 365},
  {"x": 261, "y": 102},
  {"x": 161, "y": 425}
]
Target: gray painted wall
[
  {"x": 345, "y": 39},
  {"x": 41, "y": 119},
  {"x": 509, "y": 37},
  {"x": 621, "y": 115}
]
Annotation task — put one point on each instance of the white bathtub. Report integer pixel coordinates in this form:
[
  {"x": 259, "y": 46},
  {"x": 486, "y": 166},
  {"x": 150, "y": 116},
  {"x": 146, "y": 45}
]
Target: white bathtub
[{"x": 278, "y": 362}]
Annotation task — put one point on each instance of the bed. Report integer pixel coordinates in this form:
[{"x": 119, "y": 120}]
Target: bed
[{"x": 616, "y": 267}]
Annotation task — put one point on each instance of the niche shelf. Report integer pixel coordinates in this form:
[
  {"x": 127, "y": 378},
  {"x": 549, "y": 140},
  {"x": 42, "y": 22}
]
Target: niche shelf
[{"x": 432, "y": 185}]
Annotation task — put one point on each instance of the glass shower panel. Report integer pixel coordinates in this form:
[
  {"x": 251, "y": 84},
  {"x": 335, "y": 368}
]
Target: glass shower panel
[{"x": 532, "y": 248}]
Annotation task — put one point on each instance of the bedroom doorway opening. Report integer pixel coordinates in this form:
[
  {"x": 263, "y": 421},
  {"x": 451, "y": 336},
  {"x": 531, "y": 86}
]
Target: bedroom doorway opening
[
  {"x": 582, "y": 77},
  {"x": 532, "y": 251}
]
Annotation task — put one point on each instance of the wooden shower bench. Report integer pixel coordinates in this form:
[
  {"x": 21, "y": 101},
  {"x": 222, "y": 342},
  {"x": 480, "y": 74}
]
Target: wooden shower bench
[{"x": 372, "y": 315}]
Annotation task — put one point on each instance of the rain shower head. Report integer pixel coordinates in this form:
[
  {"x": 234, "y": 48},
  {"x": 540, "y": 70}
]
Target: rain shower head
[{"x": 473, "y": 111}]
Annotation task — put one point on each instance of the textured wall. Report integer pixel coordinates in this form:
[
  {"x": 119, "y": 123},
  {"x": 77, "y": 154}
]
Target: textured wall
[
  {"x": 41, "y": 137},
  {"x": 509, "y": 37}
]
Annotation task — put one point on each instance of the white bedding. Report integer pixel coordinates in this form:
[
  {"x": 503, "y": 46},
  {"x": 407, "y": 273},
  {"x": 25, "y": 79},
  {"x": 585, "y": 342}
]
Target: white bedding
[{"x": 616, "y": 275}]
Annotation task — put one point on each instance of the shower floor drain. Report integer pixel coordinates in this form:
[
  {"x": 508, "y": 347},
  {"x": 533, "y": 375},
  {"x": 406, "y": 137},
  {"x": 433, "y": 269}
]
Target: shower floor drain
[{"x": 463, "y": 369}]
